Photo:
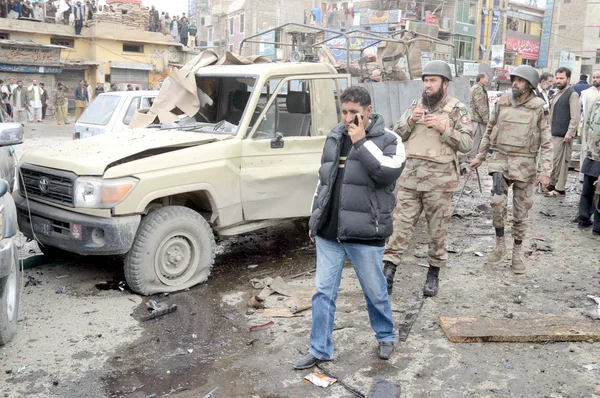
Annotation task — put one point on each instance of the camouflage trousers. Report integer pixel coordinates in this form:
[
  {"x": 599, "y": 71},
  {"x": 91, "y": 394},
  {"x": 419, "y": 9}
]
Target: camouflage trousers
[
  {"x": 522, "y": 203},
  {"x": 409, "y": 206}
]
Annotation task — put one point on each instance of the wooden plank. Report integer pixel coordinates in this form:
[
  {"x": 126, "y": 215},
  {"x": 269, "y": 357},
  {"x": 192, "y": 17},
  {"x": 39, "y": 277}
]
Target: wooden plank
[{"x": 541, "y": 329}]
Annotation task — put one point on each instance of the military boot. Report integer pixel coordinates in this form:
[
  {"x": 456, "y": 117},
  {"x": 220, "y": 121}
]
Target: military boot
[
  {"x": 389, "y": 271},
  {"x": 431, "y": 284},
  {"x": 518, "y": 265},
  {"x": 499, "y": 251}
]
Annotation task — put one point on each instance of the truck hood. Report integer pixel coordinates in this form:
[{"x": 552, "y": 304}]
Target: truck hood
[{"x": 93, "y": 156}]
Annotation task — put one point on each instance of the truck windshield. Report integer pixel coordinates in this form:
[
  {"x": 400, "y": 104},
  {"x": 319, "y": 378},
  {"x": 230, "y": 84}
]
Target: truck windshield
[
  {"x": 223, "y": 101},
  {"x": 100, "y": 110}
]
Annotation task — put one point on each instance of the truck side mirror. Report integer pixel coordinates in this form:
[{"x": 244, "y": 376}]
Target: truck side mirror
[
  {"x": 11, "y": 134},
  {"x": 277, "y": 142}
]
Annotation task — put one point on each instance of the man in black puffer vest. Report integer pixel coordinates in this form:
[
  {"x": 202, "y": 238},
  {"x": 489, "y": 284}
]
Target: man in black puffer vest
[{"x": 351, "y": 218}]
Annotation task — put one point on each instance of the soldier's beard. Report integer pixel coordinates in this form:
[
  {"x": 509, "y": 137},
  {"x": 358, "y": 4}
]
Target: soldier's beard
[
  {"x": 517, "y": 93},
  {"x": 433, "y": 98}
]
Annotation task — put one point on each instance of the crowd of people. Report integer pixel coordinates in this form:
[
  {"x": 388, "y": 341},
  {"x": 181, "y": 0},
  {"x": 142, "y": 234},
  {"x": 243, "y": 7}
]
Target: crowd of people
[
  {"x": 179, "y": 28},
  {"x": 526, "y": 141}
]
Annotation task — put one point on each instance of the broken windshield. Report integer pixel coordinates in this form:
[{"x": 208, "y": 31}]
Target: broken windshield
[{"x": 223, "y": 101}]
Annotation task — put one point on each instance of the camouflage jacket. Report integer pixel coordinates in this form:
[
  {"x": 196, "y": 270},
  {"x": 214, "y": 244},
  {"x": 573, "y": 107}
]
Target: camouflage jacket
[
  {"x": 535, "y": 137},
  {"x": 425, "y": 175},
  {"x": 480, "y": 108},
  {"x": 593, "y": 133},
  {"x": 60, "y": 96}
]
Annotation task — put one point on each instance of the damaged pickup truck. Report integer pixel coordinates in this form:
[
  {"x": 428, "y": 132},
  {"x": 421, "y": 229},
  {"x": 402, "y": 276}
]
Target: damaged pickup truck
[{"x": 245, "y": 160}]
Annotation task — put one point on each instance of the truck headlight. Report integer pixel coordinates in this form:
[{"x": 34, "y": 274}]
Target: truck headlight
[{"x": 93, "y": 192}]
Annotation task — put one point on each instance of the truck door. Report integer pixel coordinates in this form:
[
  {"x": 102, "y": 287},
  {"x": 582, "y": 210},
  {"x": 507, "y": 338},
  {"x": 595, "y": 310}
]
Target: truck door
[{"x": 281, "y": 153}]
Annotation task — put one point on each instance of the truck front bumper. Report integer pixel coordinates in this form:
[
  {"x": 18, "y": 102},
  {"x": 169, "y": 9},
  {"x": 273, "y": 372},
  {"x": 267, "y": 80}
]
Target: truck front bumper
[{"x": 75, "y": 232}]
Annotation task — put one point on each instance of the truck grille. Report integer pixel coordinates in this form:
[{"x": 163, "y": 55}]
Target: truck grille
[{"x": 48, "y": 184}]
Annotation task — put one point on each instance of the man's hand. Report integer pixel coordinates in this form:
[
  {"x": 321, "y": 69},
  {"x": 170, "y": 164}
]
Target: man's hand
[
  {"x": 434, "y": 122},
  {"x": 544, "y": 180},
  {"x": 356, "y": 133},
  {"x": 312, "y": 240},
  {"x": 475, "y": 163},
  {"x": 568, "y": 139},
  {"x": 417, "y": 114}
]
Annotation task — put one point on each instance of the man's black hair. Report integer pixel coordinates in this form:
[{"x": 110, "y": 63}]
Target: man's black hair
[
  {"x": 480, "y": 76},
  {"x": 356, "y": 94},
  {"x": 562, "y": 69},
  {"x": 544, "y": 76},
  {"x": 583, "y": 76}
]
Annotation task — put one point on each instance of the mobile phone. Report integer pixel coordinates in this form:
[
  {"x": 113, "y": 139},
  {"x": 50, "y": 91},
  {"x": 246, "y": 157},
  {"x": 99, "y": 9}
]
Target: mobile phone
[{"x": 356, "y": 121}]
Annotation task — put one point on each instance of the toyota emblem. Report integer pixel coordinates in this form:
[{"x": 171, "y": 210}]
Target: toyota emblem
[{"x": 44, "y": 185}]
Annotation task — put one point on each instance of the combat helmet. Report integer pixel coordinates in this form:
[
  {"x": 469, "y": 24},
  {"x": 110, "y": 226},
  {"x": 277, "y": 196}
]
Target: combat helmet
[
  {"x": 437, "y": 68},
  {"x": 526, "y": 72}
]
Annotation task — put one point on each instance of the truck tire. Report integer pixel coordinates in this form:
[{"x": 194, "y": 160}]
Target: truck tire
[
  {"x": 174, "y": 249},
  {"x": 9, "y": 301}
]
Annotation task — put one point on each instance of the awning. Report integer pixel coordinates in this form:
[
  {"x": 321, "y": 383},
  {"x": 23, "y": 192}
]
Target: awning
[
  {"x": 79, "y": 64},
  {"x": 29, "y": 43},
  {"x": 134, "y": 66}
]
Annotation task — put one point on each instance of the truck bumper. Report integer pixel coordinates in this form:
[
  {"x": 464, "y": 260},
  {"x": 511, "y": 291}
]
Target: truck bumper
[
  {"x": 75, "y": 232},
  {"x": 7, "y": 257}
]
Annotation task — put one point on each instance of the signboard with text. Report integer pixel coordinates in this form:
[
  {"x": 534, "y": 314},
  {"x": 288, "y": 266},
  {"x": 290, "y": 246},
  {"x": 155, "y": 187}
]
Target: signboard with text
[
  {"x": 497, "y": 56},
  {"x": 545, "y": 41},
  {"x": 527, "y": 49},
  {"x": 470, "y": 69},
  {"x": 25, "y": 55},
  {"x": 567, "y": 60}
]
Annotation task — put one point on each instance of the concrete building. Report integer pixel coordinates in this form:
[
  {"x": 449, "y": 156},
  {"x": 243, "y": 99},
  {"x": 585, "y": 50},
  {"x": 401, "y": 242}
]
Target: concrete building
[
  {"x": 523, "y": 34},
  {"x": 571, "y": 36},
  {"x": 105, "y": 52}
]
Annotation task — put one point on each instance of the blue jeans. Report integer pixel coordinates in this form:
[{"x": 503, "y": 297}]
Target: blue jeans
[{"x": 366, "y": 261}]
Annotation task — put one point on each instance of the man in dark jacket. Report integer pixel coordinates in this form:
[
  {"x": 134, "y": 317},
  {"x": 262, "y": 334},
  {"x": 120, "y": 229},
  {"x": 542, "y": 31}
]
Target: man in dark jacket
[
  {"x": 351, "y": 218},
  {"x": 581, "y": 85},
  {"x": 184, "y": 30}
]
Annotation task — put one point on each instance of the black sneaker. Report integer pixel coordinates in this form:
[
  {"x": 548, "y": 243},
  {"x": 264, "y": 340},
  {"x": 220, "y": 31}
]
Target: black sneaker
[
  {"x": 386, "y": 350},
  {"x": 305, "y": 362},
  {"x": 595, "y": 232},
  {"x": 585, "y": 223}
]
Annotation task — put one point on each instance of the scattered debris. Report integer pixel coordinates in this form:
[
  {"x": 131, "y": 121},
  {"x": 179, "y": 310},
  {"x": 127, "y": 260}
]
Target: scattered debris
[
  {"x": 451, "y": 249},
  {"x": 279, "y": 312},
  {"x": 62, "y": 276},
  {"x": 262, "y": 327},
  {"x": 298, "y": 304},
  {"x": 31, "y": 281},
  {"x": 478, "y": 254},
  {"x": 592, "y": 366},
  {"x": 158, "y": 309},
  {"x": 284, "y": 288},
  {"x": 55, "y": 383},
  {"x": 541, "y": 329},
  {"x": 594, "y": 310},
  {"x": 382, "y": 388},
  {"x": 230, "y": 316},
  {"x": 542, "y": 247},
  {"x": 350, "y": 389},
  {"x": 211, "y": 393},
  {"x": 252, "y": 266},
  {"x": 190, "y": 350},
  {"x": 319, "y": 379},
  {"x": 547, "y": 213},
  {"x": 256, "y": 302},
  {"x": 409, "y": 320},
  {"x": 61, "y": 289},
  {"x": 117, "y": 283},
  {"x": 250, "y": 311},
  {"x": 194, "y": 336},
  {"x": 304, "y": 273},
  {"x": 261, "y": 283}
]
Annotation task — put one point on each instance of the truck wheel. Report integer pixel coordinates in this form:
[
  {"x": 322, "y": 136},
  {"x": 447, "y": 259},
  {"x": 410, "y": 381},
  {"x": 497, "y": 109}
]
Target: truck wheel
[
  {"x": 9, "y": 301},
  {"x": 174, "y": 249}
]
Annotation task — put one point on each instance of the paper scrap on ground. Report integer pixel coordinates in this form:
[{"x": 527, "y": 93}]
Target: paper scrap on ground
[{"x": 319, "y": 379}]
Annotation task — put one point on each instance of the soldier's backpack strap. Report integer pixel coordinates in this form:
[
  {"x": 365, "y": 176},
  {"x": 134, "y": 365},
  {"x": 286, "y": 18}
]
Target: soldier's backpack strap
[{"x": 450, "y": 105}]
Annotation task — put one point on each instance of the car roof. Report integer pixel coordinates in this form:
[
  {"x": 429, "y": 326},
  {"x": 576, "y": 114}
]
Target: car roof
[{"x": 149, "y": 93}]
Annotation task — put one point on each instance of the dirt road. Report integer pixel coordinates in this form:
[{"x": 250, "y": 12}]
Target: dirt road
[{"x": 75, "y": 340}]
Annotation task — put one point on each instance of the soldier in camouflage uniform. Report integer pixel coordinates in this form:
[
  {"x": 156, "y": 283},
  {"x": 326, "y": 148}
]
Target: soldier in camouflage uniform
[
  {"x": 517, "y": 132},
  {"x": 433, "y": 129},
  {"x": 480, "y": 112},
  {"x": 60, "y": 103}
]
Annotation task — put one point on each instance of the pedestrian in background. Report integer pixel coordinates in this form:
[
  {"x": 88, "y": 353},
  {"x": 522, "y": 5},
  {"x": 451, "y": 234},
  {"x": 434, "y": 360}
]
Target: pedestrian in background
[
  {"x": 45, "y": 96},
  {"x": 161, "y": 23},
  {"x": 351, "y": 218},
  {"x": 588, "y": 99},
  {"x": 60, "y": 103},
  {"x": 154, "y": 19},
  {"x": 175, "y": 29},
  {"x": 588, "y": 202},
  {"x": 167, "y": 25},
  {"x": 543, "y": 90},
  {"x": 565, "y": 113},
  {"x": 79, "y": 16},
  {"x": 434, "y": 128},
  {"x": 89, "y": 91},
  {"x": 99, "y": 89},
  {"x": 480, "y": 112},
  {"x": 582, "y": 84},
  {"x": 81, "y": 99},
  {"x": 35, "y": 98},
  {"x": 192, "y": 37},
  {"x": 521, "y": 147},
  {"x": 20, "y": 103},
  {"x": 184, "y": 31}
]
